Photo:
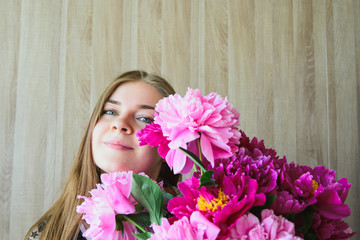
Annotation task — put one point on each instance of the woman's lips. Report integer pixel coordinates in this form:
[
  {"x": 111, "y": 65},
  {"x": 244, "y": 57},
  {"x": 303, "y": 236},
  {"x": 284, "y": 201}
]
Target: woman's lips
[{"x": 117, "y": 145}]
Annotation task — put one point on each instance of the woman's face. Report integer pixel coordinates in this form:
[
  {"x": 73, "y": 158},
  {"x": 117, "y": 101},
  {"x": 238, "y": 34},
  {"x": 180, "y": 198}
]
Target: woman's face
[{"x": 115, "y": 146}]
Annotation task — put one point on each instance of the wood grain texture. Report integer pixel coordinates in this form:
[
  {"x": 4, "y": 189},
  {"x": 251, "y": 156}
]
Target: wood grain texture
[
  {"x": 345, "y": 92},
  {"x": 176, "y": 42},
  {"x": 320, "y": 78},
  {"x": 35, "y": 134},
  {"x": 149, "y": 38},
  {"x": 9, "y": 47},
  {"x": 111, "y": 36},
  {"x": 291, "y": 67},
  {"x": 77, "y": 81},
  {"x": 242, "y": 40},
  {"x": 216, "y": 47}
]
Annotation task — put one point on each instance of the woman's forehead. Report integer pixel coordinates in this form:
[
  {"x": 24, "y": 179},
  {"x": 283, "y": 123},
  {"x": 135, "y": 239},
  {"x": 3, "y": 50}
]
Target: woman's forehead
[{"x": 136, "y": 92}]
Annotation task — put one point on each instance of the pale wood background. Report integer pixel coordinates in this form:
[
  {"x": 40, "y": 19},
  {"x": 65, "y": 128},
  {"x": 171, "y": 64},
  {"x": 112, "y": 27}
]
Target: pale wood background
[{"x": 292, "y": 68}]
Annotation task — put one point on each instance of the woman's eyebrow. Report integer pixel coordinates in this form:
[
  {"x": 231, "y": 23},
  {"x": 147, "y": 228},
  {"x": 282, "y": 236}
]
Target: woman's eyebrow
[
  {"x": 113, "y": 102},
  {"x": 141, "y": 106}
]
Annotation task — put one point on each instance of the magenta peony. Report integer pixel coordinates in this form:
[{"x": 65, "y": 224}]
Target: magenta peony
[
  {"x": 297, "y": 190},
  {"x": 222, "y": 205},
  {"x": 271, "y": 227},
  {"x": 185, "y": 120},
  {"x": 330, "y": 203},
  {"x": 152, "y": 135},
  {"x": 108, "y": 199},
  {"x": 255, "y": 161},
  {"x": 198, "y": 228},
  {"x": 331, "y": 228}
]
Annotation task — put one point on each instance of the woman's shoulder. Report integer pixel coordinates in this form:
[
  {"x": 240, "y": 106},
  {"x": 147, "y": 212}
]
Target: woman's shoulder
[{"x": 37, "y": 230}]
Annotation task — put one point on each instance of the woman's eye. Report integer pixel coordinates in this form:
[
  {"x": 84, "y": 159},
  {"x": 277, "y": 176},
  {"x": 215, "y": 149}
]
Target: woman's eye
[
  {"x": 146, "y": 119},
  {"x": 109, "y": 112}
]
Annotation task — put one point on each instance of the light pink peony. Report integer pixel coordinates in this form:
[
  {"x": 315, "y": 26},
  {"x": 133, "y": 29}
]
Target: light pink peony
[
  {"x": 271, "y": 227},
  {"x": 198, "y": 228},
  {"x": 184, "y": 120},
  {"x": 108, "y": 199}
]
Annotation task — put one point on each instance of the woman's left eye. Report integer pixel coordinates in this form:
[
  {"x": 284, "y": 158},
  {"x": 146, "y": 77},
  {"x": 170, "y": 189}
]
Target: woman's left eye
[{"x": 146, "y": 120}]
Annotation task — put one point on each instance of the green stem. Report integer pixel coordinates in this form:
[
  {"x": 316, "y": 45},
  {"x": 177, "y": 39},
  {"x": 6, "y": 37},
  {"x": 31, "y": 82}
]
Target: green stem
[
  {"x": 137, "y": 225},
  {"x": 193, "y": 158},
  {"x": 195, "y": 168},
  {"x": 200, "y": 155}
]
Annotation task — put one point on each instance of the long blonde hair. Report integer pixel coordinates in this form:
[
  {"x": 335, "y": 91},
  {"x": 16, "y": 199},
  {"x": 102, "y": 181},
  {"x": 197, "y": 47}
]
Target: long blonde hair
[{"x": 61, "y": 221}]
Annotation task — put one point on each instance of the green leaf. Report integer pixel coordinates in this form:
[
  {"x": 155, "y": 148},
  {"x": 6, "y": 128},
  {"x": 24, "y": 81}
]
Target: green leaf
[
  {"x": 194, "y": 158},
  {"x": 166, "y": 212},
  {"x": 148, "y": 194},
  {"x": 143, "y": 236},
  {"x": 119, "y": 226},
  {"x": 290, "y": 217},
  {"x": 310, "y": 236},
  {"x": 308, "y": 218},
  {"x": 168, "y": 196},
  {"x": 206, "y": 180},
  {"x": 269, "y": 201},
  {"x": 142, "y": 219},
  {"x": 139, "y": 208}
]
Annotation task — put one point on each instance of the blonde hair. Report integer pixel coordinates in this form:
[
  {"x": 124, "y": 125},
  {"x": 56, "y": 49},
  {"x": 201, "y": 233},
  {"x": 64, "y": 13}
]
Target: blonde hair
[{"x": 61, "y": 220}]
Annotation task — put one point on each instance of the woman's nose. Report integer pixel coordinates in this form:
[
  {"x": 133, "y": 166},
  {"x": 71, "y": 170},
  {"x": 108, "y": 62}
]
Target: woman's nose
[{"x": 122, "y": 125}]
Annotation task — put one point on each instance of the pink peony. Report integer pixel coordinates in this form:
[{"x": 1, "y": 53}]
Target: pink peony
[
  {"x": 271, "y": 227},
  {"x": 107, "y": 200},
  {"x": 222, "y": 205},
  {"x": 198, "y": 228},
  {"x": 184, "y": 120}
]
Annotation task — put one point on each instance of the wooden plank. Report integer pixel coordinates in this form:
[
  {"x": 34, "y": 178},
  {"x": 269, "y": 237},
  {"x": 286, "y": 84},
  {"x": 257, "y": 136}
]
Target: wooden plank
[
  {"x": 9, "y": 48},
  {"x": 356, "y": 182},
  {"x": 194, "y": 75},
  {"x": 202, "y": 39},
  {"x": 321, "y": 83},
  {"x": 111, "y": 31},
  {"x": 306, "y": 132},
  {"x": 216, "y": 47},
  {"x": 176, "y": 43},
  {"x": 242, "y": 61},
  {"x": 149, "y": 45},
  {"x": 265, "y": 116},
  {"x": 36, "y": 119},
  {"x": 344, "y": 99},
  {"x": 76, "y": 95},
  {"x": 283, "y": 84}
]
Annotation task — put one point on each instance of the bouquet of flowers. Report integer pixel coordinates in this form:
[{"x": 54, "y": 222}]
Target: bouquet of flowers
[{"x": 239, "y": 189}]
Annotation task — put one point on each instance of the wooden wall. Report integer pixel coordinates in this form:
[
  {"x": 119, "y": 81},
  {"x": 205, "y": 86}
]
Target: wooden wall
[{"x": 292, "y": 68}]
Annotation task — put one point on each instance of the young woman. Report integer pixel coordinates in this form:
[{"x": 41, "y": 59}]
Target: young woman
[{"x": 110, "y": 144}]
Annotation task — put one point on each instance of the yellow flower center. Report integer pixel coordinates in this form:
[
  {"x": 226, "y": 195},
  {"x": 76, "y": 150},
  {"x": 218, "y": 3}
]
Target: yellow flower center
[
  {"x": 315, "y": 186},
  {"x": 213, "y": 205}
]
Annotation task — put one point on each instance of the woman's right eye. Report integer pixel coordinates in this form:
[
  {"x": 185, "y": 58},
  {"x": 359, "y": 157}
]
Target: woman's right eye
[{"x": 109, "y": 112}]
